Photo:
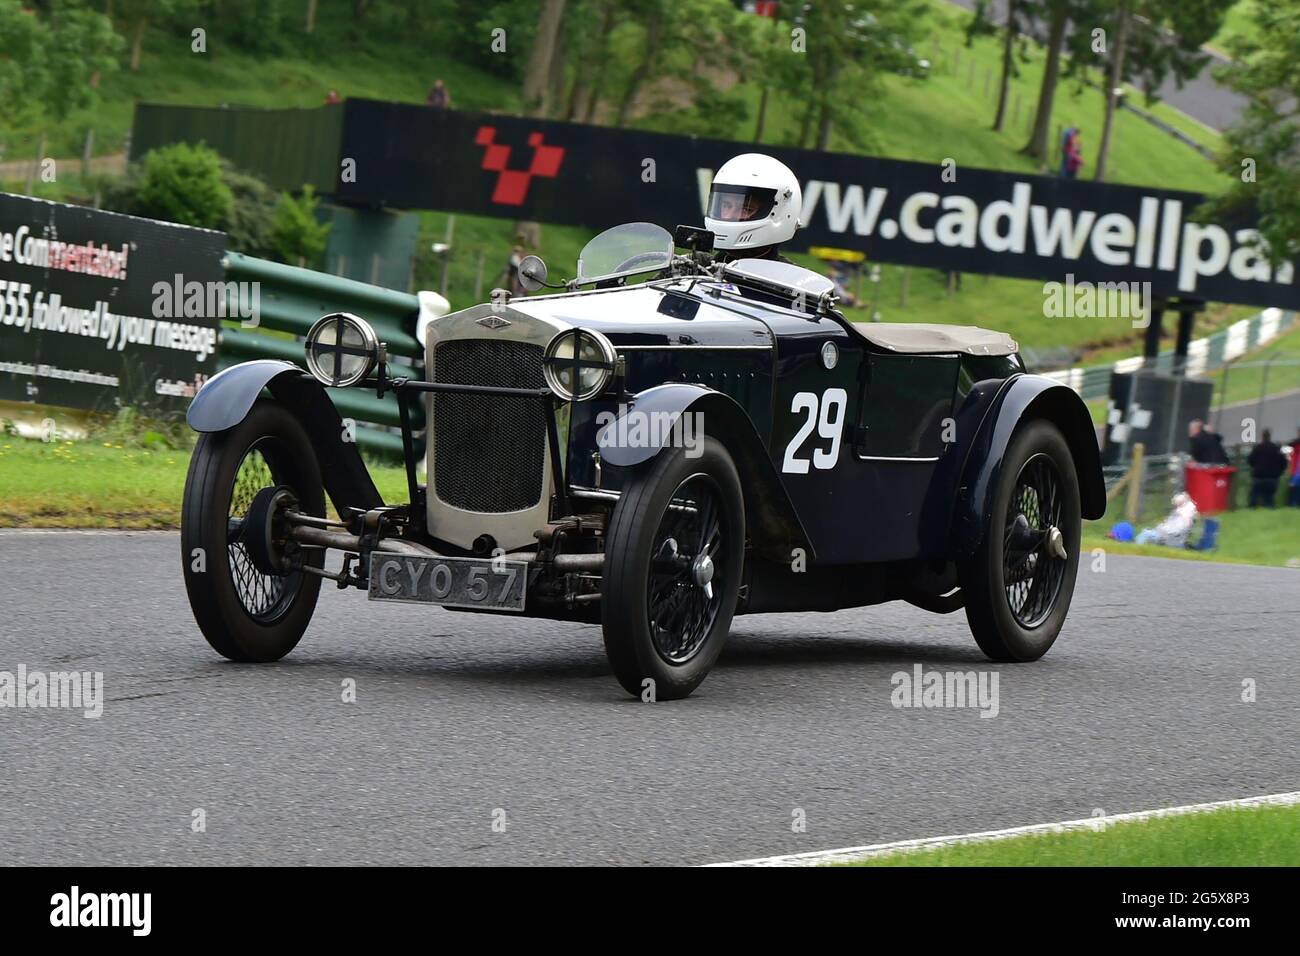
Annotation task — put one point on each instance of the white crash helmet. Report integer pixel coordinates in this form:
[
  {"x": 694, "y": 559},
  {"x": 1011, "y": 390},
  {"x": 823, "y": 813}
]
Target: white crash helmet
[{"x": 755, "y": 202}]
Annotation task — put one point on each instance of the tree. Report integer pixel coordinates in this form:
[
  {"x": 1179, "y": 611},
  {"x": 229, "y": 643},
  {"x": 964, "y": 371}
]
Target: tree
[
  {"x": 667, "y": 44},
  {"x": 1020, "y": 15},
  {"x": 537, "y": 75},
  {"x": 1059, "y": 14},
  {"x": 654, "y": 35},
  {"x": 849, "y": 52},
  {"x": 298, "y": 238},
  {"x": 183, "y": 183},
  {"x": 23, "y": 69},
  {"x": 250, "y": 224},
  {"x": 591, "y": 54},
  {"x": 50, "y": 62},
  {"x": 137, "y": 16},
  {"x": 1262, "y": 152},
  {"x": 1114, "y": 77},
  {"x": 1142, "y": 42},
  {"x": 80, "y": 45}
]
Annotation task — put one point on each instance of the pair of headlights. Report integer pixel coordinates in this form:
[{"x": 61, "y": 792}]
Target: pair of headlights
[{"x": 342, "y": 350}]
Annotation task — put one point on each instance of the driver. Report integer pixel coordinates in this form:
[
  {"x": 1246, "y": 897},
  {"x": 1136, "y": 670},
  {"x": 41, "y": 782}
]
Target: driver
[{"x": 754, "y": 206}]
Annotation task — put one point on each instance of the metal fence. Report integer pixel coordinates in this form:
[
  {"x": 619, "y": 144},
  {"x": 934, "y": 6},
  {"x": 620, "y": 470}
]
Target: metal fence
[
  {"x": 1254, "y": 396},
  {"x": 1203, "y": 355},
  {"x": 1146, "y": 495}
]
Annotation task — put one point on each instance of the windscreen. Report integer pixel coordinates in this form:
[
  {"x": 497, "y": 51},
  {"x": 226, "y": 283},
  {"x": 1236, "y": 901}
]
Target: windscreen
[{"x": 629, "y": 248}]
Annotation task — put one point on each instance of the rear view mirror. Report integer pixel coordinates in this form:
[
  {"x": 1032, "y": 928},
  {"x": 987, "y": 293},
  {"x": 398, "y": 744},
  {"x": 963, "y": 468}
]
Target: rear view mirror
[
  {"x": 532, "y": 273},
  {"x": 693, "y": 238}
]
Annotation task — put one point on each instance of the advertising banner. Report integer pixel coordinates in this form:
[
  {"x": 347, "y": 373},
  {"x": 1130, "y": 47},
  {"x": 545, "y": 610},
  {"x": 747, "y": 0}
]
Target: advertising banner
[
  {"x": 942, "y": 216},
  {"x": 99, "y": 310}
]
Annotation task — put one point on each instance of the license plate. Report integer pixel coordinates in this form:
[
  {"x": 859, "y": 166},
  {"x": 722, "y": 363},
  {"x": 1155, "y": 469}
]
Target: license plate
[{"x": 481, "y": 584}]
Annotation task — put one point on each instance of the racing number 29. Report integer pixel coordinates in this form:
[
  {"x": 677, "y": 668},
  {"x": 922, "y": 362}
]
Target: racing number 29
[{"x": 826, "y": 414}]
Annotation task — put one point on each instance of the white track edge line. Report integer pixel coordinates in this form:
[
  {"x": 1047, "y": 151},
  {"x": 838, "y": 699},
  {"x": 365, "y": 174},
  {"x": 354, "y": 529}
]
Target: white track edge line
[{"x": 856, "y": 853}]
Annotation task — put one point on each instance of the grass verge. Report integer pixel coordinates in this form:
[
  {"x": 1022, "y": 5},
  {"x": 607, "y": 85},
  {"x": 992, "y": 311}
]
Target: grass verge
[
  {"x": 98, "y": 484},
  {"x": 1255, "y": 836},
  {"x": 1260, "y": 536},
  {"x": 110, "y": 484}
]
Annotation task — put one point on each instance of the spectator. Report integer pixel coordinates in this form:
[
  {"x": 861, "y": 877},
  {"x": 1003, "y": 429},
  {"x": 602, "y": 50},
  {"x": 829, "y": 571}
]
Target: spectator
[
  {"x": 840, "y": 276},
  {"x": 333, "y": 97},
  {"x": 439, "y": 96},
  {"x": 510, "y": 274},
  {"x": 1267, "y": 465},
  {"x": 1206, "y": 444},
  {"x": 1071, "y": 153},
  {"x": 1174, "y": 530},
  {"x": 1293, "y": 486}
]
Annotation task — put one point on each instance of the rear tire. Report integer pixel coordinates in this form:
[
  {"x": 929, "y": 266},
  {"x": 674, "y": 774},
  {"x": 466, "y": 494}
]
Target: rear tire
[
  {"x": 660, "y": 622},
  {"x": 1017, "y": 589},
  {"x": 244, "y": 614}
]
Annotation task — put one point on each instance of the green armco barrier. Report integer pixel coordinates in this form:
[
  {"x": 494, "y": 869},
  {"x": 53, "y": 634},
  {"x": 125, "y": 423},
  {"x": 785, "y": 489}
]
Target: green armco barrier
[
  {"x": 291, "y": 299},
  {"x": 354, "y": 403},
  {"x": 238, "y": 346},
  {"x": 383, "y": 444},
  {"x": 241, "y": 345}
]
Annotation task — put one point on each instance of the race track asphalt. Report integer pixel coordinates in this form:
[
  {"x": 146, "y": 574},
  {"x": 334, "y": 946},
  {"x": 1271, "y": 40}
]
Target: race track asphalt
[{"x": 460, "y": 716}]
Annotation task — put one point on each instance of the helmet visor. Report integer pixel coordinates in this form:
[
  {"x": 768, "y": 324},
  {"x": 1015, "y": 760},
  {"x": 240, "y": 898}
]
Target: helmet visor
[{"x": 740, "y": 203}]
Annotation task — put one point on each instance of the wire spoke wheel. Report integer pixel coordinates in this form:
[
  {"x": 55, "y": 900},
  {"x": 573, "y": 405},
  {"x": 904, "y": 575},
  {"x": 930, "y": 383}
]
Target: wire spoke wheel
[
  {"x": 264, "y": 596},
  {"x": 229, "y": 531},
  {"x": 1032, "y": 571},
  {"x": 682, "y": 603}
]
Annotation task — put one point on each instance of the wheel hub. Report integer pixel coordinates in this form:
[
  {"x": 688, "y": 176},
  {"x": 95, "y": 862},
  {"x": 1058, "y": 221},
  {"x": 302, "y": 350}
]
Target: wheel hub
[
  {"x": 1035, "y": 556},
  {"x": 261, "y": 532},
  {"x": 1056, "y": 543},
  {"x": 702, "y": 574}
]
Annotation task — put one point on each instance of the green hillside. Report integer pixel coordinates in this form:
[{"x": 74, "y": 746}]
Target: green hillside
[{"x": 947, "y": 114}]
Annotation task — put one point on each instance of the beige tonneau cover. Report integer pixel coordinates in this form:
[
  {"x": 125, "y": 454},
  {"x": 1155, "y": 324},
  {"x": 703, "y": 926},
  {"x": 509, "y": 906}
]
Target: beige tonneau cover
[{"x": 922, "y": 338}]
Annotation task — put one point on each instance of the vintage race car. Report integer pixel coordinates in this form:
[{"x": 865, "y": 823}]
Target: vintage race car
[{"x": 655, "y": 456}]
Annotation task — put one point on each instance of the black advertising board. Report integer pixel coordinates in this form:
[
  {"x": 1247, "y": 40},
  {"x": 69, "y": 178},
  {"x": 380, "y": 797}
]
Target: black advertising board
[
  {"x": 1156, "y": 414},
  {"x": 99, "y": 309},
  {"x": 944, "y": 217}
]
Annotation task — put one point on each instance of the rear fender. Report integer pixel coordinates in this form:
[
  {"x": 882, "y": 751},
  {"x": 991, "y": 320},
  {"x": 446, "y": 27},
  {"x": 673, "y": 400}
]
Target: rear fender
[
  {"x": 770, "y": 517},
  {"x": 225, "y": 399},
  {"x": 1024, "y": 397}
]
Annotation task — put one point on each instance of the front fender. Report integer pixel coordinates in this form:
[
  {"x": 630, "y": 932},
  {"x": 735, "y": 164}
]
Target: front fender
[
  {"x": 770, "y": 516},
  {"x": 1022, "y": 398},
  {"x": 225, "y": 399}
]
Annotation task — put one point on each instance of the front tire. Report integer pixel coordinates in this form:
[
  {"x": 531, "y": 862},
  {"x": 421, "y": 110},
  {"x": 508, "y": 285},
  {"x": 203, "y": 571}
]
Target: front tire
[
  {"x": 674, "y": 555},
  {"x": 245, "y": 614},
  {"x": 1018, "y": 586}
]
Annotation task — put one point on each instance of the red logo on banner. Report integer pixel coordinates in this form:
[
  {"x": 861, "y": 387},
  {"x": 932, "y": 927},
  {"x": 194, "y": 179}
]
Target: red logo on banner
[{"x": 512, "y": 184}]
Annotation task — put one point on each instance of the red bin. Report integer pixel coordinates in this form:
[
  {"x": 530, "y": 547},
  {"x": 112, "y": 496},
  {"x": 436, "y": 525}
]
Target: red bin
[{"x": 1209, "y": 486}]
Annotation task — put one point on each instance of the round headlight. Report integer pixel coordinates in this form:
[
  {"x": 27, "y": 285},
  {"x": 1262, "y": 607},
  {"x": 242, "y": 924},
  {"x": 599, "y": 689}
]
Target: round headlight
[
  {"x": 579, "y": 356},
  {"x": 342, "y": 349}
]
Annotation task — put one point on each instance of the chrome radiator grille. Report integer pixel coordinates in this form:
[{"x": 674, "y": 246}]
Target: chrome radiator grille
[{"x": 488, "y": 450}]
